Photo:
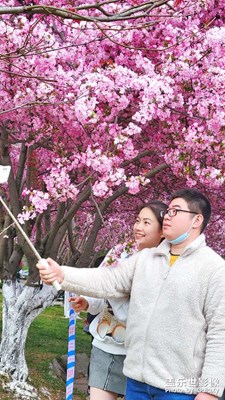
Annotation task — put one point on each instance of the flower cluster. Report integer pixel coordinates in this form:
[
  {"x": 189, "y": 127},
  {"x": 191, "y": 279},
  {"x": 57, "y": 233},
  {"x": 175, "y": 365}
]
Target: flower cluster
[{"x": 119, "y": 252}]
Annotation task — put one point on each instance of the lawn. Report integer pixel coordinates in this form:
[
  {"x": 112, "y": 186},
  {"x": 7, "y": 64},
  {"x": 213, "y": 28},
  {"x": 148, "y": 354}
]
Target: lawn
[{"x": 47, "y": 339}]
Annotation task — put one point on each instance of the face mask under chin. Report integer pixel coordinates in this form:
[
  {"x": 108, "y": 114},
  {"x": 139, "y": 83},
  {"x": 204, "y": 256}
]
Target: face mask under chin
[{"x": 183, "y": 236}]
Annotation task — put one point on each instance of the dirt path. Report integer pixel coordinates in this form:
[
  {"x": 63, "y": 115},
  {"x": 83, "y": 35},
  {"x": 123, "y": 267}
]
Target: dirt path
[{"x": 82, "y": 386}]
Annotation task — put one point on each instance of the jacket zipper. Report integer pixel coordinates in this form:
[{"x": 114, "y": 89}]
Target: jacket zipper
[{"x": 162, "y": 286}]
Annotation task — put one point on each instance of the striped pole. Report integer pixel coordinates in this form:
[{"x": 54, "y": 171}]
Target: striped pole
[{"x": 70, "y": 374}]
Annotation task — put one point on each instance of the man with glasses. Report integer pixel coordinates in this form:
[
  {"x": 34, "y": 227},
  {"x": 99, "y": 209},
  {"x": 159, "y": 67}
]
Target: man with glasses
[
  {"x": 182, "y": 225},
  {"x": 175, "y": 334}
]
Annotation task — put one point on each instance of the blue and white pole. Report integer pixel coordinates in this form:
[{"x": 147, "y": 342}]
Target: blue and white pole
[{"x": 71, "y": 355}]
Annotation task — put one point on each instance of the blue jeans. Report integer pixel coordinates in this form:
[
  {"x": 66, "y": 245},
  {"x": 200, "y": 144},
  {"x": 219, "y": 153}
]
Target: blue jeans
[{"x": 141, "y": 391}]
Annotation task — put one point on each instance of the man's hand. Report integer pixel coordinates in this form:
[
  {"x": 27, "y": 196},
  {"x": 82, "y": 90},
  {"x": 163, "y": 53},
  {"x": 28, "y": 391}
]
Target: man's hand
[
  {"x": 205, "y": 396},
  {"x": 79, "y": 303},
  {"x": 50, "y": 271}
]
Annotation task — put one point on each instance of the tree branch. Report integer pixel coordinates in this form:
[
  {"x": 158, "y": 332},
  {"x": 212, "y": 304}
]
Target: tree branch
[{"x": 139, "y": 11}]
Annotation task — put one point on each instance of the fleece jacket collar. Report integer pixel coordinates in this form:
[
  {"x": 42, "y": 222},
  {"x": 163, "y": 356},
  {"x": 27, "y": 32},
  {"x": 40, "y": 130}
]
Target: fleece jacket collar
[{"x": 164, "y": 247}]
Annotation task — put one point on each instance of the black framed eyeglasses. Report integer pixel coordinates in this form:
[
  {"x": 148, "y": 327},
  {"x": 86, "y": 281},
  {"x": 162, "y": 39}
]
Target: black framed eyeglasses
[{"x": 172, "y": 212}]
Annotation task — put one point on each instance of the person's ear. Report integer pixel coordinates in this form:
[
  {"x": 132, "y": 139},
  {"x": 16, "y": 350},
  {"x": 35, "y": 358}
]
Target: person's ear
[{"x": 198, "y": 221}]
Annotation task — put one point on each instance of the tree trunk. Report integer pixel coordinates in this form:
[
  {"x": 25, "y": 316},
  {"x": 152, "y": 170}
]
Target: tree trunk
[{"x": 21, "y": 305}]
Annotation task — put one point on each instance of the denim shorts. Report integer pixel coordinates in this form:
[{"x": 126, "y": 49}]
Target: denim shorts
[
  {"x": 106, "y": 371},
  {"x": 142, "y": 391}
]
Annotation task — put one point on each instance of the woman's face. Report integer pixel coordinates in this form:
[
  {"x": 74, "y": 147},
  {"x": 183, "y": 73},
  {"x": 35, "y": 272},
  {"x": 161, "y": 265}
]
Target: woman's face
[{"x": 147, "y": 230}]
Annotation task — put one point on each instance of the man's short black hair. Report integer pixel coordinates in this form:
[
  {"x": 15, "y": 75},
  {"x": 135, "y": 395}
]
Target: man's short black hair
[{"x": 196, "y": 202}]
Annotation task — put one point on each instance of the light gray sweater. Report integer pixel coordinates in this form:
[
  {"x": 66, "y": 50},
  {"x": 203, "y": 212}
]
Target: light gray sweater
[{"x": 175, "y": 335}]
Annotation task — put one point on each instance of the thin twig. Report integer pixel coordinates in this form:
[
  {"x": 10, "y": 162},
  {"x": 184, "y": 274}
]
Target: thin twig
[{"x": 4, "y": 230}]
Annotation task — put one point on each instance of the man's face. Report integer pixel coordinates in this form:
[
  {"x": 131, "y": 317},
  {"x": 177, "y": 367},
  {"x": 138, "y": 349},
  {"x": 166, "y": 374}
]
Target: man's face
[{"x": 175, "y": 226}]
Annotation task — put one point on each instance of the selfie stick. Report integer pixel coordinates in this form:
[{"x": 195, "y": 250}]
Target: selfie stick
[{"x": 55, "y": 284}]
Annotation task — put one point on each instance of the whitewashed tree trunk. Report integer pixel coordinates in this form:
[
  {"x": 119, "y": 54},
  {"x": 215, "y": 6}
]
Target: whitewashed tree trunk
[{"x": 21, "y": 305}]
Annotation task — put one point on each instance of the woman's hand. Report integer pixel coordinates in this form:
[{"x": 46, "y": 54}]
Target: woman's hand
[{"x": 79, "y": 303}]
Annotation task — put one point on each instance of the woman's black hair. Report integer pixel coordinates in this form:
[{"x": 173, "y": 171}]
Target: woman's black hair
[{"x": 156, "y": 207}]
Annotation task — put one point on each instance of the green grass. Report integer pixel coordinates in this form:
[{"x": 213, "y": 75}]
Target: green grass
[{"x": 47, "y": 339}]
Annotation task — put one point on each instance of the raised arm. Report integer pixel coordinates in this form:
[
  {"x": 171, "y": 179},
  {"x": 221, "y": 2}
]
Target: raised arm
[{"x": 96, "y": 282}]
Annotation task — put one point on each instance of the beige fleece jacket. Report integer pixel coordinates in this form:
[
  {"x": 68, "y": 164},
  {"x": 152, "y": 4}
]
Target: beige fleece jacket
[{"x": 175, "y": 335}]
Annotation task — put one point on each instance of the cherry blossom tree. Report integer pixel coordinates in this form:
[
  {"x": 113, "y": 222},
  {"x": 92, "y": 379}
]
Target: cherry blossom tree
[{"x": 103, "y": 106}]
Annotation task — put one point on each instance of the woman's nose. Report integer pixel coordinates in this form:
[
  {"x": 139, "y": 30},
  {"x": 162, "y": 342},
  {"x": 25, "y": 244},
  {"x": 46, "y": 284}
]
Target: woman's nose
[{"x": 139, "y": 227}]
